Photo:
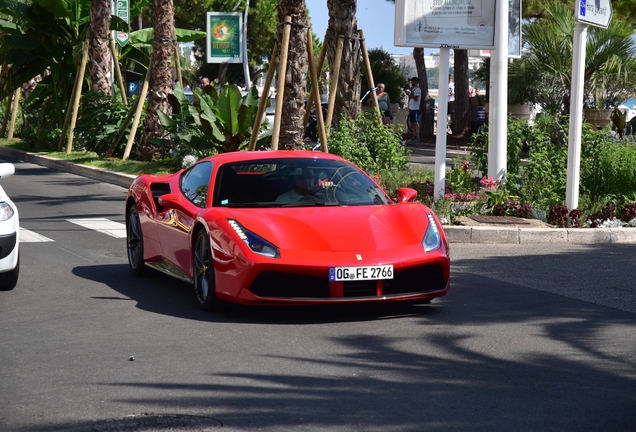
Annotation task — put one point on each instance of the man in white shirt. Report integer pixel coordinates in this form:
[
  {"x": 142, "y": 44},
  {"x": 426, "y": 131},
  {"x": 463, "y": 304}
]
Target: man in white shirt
[
  {"x": 414, "y": 107},
  {"x": 303, "y": 184},
  {"x": 451, "y": 88}
]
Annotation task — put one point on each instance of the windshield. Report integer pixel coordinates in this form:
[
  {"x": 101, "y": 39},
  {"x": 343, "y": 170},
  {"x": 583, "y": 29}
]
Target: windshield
[{"x": 294, "y": 182}]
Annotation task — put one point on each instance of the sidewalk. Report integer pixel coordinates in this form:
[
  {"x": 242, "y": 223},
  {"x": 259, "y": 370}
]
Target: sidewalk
[{"x": 478, "y": 233}]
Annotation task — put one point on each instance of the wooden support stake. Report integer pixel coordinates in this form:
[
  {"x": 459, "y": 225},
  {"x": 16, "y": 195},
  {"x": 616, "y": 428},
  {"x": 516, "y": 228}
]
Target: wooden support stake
[
  {"x": 177, "y": 62},
  {"x": 120, "y": 79},
  {"x": 140, "y": 107},
  {"x": 69, "y": 109},
  {"x": 280, "y": 87},
  {"x": 321, "y": 60},
  {"x": 367, "y": 65},
  {"x": 334, "y": 82},
  {"x": 122, "y": 129},
  {"x": 315, "y": 93},
  {"x": 14, "y": 112},
  {"x": 262, "y": 103},
  {"x": 78, "y": 94}
]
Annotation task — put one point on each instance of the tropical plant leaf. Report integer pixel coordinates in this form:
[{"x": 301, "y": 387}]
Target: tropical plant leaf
[
  {"x": 167, "y": 122},
  {"x": 228, "y": 106}
]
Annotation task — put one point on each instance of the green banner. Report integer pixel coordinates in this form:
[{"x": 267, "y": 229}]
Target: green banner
[{"x": 225, "y": 37}]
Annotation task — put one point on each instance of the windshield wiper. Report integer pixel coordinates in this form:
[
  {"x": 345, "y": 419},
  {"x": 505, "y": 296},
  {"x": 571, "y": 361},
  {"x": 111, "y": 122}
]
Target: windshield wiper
[
  {"x": 311, "y": 204},
  {"x": 243, "y": 205}
]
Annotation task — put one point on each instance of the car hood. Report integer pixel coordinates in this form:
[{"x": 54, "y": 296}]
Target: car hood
[{"x": 338, "y": 229}]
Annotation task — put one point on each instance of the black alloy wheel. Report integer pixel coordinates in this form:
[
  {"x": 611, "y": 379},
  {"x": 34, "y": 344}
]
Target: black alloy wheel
[
  {"x": 204, "y": 282},
  {"x": 135, "y": 242}
]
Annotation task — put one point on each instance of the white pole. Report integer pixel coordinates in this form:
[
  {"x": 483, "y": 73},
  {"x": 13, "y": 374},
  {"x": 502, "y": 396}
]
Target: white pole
[
  {"x": 576, "y": 117},
  {"x": 246, "y": 69},
  {"x": 442, "y": 121},
  {"x": 498, "y": 96}
]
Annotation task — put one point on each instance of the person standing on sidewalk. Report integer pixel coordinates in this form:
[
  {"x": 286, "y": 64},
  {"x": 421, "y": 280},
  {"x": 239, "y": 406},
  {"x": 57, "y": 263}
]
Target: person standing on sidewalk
[{"x": 414, "y": 107}]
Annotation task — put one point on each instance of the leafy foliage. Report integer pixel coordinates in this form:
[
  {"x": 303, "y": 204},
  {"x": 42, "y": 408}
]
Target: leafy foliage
[
  {"x": 37, "y": 36},
  {"x": 368, "y": 144},
  {"x": 609, "y": 166},
  {"x": 99, "y": 121},
  {"x": 224, "y": 119},
  {"x": 385, "y": 71}
]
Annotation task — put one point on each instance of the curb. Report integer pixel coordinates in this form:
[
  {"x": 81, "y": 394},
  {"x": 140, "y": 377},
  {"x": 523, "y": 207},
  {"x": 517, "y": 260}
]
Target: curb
[
  {"x": 454, "y": 233},
  {"x": 119, "y": 179},
  {"x": 504, "y": 235}
]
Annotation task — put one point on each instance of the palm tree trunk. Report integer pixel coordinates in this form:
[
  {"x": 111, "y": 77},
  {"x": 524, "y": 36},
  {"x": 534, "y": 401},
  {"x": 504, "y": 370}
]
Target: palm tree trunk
[
  {"x": 291, "y": 125},
  {"x": 160, "y": 84},
  {"x": 343, "y": 24},
  {"x": 427, "y": 124},
  {"x": 98, "y": 50},
  {"x": 462, "y": 98}
]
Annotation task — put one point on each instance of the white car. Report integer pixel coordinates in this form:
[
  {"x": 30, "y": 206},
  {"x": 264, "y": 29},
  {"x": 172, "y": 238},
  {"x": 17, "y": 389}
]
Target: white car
[{"x": 9, "y": 235}]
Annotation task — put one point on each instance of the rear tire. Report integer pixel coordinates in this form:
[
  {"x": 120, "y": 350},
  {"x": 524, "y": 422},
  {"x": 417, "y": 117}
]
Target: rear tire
[
  {"x": 203, "y": 272},
  {"x": 8, "y": 280},
  {"x": 135, "y": 243}
]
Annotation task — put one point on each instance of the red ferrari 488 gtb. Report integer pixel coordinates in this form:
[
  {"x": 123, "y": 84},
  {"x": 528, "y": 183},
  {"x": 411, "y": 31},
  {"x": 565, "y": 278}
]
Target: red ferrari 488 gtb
[{"x": 285, "y": 228}]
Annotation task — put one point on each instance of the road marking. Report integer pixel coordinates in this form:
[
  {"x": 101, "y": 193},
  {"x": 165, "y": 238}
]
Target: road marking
[
  {"x": 103, "y": 225},
  {"x": 27, "y": 236}
]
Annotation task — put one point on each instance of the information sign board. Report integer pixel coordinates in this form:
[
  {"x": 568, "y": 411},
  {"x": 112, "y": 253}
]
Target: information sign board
[
  {"x": 225, "y": 37},
  {"x": 597, "y": 13},
  {"x": 457, "y": 24}
]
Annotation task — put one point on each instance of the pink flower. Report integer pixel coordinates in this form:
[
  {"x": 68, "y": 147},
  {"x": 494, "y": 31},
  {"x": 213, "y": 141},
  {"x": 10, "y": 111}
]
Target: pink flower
[
  {"x": 465, "y": 166},
  {"x": 488, "y": 183}
]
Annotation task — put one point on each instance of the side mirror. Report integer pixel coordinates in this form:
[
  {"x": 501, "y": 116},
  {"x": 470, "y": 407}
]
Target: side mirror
[
  {"x": 406, "y": 195},
  {"x": 6, "y": 169},
  {"x": 173, "y": 201}
]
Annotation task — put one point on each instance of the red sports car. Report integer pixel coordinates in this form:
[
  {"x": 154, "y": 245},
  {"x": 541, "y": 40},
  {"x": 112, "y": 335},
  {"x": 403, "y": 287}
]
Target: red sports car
[{"x": 285, "y": 228}]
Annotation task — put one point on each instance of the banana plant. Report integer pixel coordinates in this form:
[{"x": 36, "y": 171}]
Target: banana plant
[{"x": 224, "y": 119}]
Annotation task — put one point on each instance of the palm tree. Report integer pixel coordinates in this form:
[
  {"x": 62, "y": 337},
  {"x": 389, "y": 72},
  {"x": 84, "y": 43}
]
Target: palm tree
[
  {"x": 99, "y": 50},
  {"x": 160, "y": 84},
  {"x": 291, "y": 126},
  {"x": 427, "y": 122},
  {"x": 462, "y": 100},
  {"x": 343, "y": 24},
  {"x": 37, "y": 37},
  {"x": 609, "y": 60}
]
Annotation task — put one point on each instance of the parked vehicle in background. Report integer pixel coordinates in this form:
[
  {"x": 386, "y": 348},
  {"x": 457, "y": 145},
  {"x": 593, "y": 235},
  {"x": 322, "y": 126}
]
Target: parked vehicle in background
[{"x": 9, "y": 235}]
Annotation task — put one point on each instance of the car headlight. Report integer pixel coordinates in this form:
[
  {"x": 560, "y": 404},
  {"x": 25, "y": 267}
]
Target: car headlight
[
  {"x": 6, "y": 211},
  {"x": 432, "y": 238},
  {"x": 256, "y": 243}
]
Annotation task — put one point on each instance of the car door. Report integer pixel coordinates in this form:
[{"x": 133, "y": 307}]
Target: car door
[{"x": 175, "y": 224}]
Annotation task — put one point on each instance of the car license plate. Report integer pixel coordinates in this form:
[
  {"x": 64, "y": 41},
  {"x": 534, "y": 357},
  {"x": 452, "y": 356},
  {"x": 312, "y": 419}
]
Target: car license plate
[{"x": 360, "y": 273}]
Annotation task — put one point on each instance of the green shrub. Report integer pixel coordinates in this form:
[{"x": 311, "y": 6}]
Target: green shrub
[
  {"x": 99, "y": 120},
  {"x": 18, "y": 118},
  {"x": 372, "y": 146},
  {"x": 609, "y": 165},
  {"x": 543, "y": 179},
  {"x": 392, "y": 180}
]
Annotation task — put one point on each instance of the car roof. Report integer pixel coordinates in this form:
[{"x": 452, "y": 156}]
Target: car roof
[{"x": 241, "y": 156}]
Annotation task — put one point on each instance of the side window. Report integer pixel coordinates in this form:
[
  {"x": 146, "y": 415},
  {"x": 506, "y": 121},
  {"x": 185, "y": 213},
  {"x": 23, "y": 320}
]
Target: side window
[{"x": 195, "y": 183}]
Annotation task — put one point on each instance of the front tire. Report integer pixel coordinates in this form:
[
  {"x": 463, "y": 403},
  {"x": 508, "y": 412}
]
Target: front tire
[
  {"x": 135, "y": 243},
  {"x": 203, "y": 272},
  {"x": 8, "y": 280}
]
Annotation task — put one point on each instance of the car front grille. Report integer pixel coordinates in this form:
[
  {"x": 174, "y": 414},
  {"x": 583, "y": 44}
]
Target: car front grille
[
  {"x": 423, "y": 279},
  {"x": 428, "y": 278},
  {"x": 288, "y": 285}
]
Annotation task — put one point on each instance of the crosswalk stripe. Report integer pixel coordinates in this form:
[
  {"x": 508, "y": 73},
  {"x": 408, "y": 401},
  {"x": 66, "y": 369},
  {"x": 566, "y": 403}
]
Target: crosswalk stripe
[
  {"x": 103, "y": 225},
  {"x": 27, "y": 236}
]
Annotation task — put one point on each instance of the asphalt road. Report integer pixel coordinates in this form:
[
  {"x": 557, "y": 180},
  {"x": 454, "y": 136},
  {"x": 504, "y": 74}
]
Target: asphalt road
[{"x": 528, "y": 339}]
